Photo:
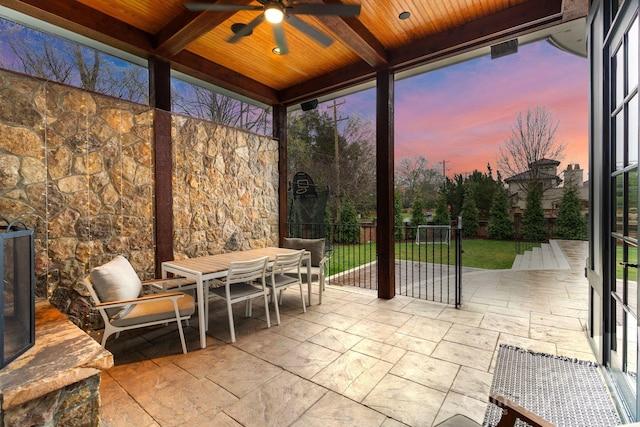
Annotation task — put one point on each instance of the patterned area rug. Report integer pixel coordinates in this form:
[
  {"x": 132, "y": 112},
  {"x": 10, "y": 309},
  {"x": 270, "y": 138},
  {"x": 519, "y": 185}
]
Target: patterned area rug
[{"x": 564, "y": 391}]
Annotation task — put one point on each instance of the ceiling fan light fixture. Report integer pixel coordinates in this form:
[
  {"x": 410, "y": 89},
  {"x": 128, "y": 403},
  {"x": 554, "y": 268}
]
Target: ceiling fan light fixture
[{"x": 273, "y": 13}]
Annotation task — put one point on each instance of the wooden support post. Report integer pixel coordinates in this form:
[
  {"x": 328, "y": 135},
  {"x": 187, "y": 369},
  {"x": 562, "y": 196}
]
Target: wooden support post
[
  {"x": 160, "y": 100},
  {"x": 280, "y": 133},
  {"x": 384, "y": 184}
]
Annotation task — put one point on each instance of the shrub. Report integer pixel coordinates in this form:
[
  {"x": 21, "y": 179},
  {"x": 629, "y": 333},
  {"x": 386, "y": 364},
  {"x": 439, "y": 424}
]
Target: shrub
[
  {"x": 397, "y": 215},
  {"x": 348, "y": 229},
  {"x": 570, "y": 223},
  {"x": 500, "y": 226},
  {"x": 469, "y": 215},
  {"x": 442, "y": 216},
  {"x": 533, "y": 222},
  {"x": 417, "y": 216}
]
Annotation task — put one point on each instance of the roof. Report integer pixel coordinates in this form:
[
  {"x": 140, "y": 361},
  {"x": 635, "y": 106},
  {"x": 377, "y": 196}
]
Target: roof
[
  {"x": 527, "y": 176},
  {"x": 196, "y": 43},
  {"x": 544, "y": 162}
]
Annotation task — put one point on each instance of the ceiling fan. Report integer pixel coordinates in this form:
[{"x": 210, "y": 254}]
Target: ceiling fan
[{"x": 275, "y": 12}]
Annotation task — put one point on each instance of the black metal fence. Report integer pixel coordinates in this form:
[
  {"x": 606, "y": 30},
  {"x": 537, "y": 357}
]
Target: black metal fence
[
  {"x": 522, "y": 246},
  {"x": 428, "y": 259}
]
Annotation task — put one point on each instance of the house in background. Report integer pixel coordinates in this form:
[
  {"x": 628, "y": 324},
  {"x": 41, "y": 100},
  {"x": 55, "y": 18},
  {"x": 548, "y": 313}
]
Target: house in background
[{"x": 547, "y": 173}]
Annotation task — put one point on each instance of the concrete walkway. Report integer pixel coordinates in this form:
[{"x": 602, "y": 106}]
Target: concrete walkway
[{"x": 548, "y": 256}]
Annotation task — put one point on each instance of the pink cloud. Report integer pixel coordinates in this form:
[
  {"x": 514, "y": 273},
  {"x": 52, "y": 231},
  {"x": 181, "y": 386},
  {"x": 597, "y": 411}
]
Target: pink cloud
[{"x": 463, "y": 114}]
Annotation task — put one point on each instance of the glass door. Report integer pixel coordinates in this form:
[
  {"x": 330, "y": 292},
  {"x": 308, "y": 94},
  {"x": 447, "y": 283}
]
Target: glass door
[{"x": 623, "y": 124}]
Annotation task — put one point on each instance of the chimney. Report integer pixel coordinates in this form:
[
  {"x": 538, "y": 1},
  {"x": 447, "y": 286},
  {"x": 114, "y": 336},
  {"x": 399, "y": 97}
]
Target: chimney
[{"x": 573, "y": 176}]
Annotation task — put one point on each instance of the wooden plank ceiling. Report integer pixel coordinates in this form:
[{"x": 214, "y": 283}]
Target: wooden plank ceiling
[{"x": 196, "y": 42}]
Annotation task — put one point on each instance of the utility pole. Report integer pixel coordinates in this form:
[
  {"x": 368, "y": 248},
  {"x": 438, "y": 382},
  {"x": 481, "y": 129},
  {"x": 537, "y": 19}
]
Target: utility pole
[
  {"x": 444, "y": 170},
  {"x": 338, "y": 190}
]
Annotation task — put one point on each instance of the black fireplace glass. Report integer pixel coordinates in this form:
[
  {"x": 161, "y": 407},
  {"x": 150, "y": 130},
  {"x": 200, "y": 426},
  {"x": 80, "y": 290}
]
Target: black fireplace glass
[{"x": 17, "y": 300}]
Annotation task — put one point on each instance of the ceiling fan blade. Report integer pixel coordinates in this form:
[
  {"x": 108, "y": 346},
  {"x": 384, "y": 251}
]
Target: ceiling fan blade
[
  {"x": 219, "y": 7},
  {"x": 281, "y": 41},
  {"x": 312, "y": 32},
  {"x": 247, "y": 29},
  {"x": 325, "y": 9}
]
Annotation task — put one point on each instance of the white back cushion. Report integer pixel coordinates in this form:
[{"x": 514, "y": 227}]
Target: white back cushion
[{"x": 116, "y": 280}]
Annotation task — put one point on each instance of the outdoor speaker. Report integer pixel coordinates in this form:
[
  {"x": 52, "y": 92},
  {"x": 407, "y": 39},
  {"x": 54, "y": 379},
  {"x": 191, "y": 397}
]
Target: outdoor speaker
[{"x": 309, "y": 105}]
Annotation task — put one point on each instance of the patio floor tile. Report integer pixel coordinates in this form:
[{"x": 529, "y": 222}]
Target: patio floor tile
[
  {"x": 474, "y": 337},
  {"x": 456, "y": 403},
  {"x": 406, "y": 401},
  {"x": 353, "y": 374},
  {"x": 426, "y": 370},
  {"x": 336, "y": 410},
  {"x": 278, "y": 403},
  {"x": 355, "y": 360},
  {"x": 473, "y": 383},
  {"x": 463, "y": 355}
]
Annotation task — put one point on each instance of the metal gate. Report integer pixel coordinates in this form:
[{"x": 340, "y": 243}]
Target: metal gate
[{"x": 428, "y": 258}]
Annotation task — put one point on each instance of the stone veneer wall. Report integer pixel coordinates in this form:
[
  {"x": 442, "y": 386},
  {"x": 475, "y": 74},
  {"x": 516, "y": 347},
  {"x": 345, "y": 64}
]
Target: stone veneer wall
[
  {"x": 78, "y": 168},
  {"x": 77, "y": 404},
  {"x": 225, "y": 186}
]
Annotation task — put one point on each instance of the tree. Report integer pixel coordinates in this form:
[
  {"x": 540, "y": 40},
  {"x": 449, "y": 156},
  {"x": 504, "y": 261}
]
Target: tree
[
  {"x": 533, "y": 222},
  {"x": 311, "y": 148},
  {"x": 482, "y": 187},
  {"x": 417, "y": 216},
  {"x": 200, "y": 102},
  {"x": 453, "y": 193},
  {"x": 418, "y": 180},
  {"x": 469, "y": 216},
  {"x": 570, "y": 223},
  {"x": 533, "y": 138},
  {"x": 66, "y": 62},
  {"x": 500, "y": 226},
  {"x": 442, "y": 216},
  {"x": 398, "y": 223},
  {"x": 348, "y": 229}
]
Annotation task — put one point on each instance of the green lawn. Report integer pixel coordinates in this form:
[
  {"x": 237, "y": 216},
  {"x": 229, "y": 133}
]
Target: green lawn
[
  {"x": 633, "y": 258},
  {"x": 478, "y": 253}
]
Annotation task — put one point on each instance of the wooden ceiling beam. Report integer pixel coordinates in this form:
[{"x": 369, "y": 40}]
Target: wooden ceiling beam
[
  {"x": 84, "y": 20},
  {"x": 357, "y": 38},
  {"x": 328, "y": 83},
  {"x": 354, "y": 35},
  {"x": 187, "y": 27}
]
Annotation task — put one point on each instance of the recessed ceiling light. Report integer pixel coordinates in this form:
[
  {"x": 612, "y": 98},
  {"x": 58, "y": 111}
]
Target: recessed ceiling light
[
  {"x": 404, "y": 15},
  {"x": 276, "y": 50}
]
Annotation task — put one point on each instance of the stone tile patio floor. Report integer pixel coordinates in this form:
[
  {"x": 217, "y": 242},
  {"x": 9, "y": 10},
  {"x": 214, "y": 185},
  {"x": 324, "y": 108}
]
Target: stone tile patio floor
[{"x": 354, "y": 360}]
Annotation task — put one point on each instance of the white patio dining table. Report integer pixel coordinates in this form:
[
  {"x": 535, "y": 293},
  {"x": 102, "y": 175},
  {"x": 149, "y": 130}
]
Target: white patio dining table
[{"x": 203, "y": 269}]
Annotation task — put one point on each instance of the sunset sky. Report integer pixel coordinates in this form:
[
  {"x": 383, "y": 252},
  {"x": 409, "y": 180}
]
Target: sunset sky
[{"x": 463, "y": 114}]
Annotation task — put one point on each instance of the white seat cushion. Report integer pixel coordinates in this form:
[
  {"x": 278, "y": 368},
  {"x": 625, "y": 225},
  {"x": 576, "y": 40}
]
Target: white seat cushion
[{"x": 155, "y": 311}]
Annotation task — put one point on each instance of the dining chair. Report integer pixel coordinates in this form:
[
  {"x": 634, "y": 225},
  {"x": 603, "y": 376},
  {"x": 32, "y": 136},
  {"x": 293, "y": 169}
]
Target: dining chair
[
  {"x": 245, "y": 281},
  {"x": 319, "y": 256},
  {"x": 285, "y": 272},
  {"x": 118, "y": 295}
]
